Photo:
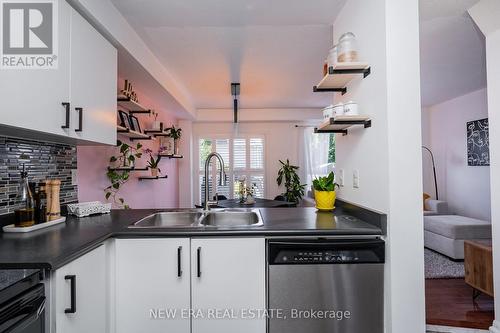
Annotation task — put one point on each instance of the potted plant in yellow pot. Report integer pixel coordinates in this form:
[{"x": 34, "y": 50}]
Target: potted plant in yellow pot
[{"x": 324, "y": 192}]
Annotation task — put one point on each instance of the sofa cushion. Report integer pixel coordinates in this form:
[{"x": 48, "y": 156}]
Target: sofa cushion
[{"x": 457, "y": 227}]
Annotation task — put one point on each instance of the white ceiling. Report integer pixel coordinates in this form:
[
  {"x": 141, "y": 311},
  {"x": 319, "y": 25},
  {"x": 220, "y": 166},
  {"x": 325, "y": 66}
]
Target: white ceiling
[
  {"x": 452, "y": 51},
  {"x": 275, "y": 49}
]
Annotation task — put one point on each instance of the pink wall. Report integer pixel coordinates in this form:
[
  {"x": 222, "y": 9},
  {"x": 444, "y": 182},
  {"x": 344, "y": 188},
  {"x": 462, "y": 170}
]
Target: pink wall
[{"x": 93, "y": 161}]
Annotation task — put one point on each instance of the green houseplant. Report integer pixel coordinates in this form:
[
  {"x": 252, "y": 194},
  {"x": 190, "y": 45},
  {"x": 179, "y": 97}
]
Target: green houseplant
[
  {"x": 153, "y": 163},
  {"x": 324, "y": 192},
  {"x": 118, "y": 177},
  {"x": 175, "y": 133},
  {"x": 288, "y": 176}
]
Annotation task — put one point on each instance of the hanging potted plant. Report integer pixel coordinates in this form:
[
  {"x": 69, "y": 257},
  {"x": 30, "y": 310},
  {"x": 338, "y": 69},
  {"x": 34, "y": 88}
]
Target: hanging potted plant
[
  {"x": 119, "y": 177},
  {"x": 175, "y": 133},
  {"x": 324, "y": 192},
  {"x": 153, "y": 163},
  {"x": 288, "y": 176}
]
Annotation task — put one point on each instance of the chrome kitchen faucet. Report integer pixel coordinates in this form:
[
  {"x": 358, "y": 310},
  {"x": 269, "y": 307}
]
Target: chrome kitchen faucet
[{"x": 222, "y": 179}]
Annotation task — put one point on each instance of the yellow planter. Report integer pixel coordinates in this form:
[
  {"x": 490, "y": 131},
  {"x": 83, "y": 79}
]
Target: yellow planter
[{"x": 325, "y": 200}]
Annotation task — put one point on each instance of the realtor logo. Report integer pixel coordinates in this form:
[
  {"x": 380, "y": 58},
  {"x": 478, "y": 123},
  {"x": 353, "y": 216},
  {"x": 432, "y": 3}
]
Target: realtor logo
[{"x": 29, "y": 34}]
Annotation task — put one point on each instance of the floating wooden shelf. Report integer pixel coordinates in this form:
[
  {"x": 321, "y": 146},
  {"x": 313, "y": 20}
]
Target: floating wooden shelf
[
  {"x": 132, "y": 135},
  {"x": 170, "y": 156},
  {"x": 151, "y": 177},
  {"x": 132, "y": 106},
  {"x": 128, "y": 169},
  {"x": 340, "y": 75},
  {"x": 340, "y": 124},
  {"x": 153, "y": 131},
  {"x": 156, "y": 133}
]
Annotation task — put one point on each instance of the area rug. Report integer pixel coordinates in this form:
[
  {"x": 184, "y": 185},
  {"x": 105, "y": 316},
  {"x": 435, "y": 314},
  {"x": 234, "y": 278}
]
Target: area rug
[{"x": 438, "y": 266}]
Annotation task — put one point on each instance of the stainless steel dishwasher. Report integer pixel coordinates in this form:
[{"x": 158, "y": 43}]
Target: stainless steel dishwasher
[{"x": 326, "y": 286}]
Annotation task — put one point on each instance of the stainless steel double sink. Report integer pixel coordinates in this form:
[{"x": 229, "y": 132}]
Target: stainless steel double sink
[{"x": 216, "y": 218}]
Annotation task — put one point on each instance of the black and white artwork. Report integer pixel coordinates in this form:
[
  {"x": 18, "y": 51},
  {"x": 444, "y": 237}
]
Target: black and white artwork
[{"x": 478, "y": 143}]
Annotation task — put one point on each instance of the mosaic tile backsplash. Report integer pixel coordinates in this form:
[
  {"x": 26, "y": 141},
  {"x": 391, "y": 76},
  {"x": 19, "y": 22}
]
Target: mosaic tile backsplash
[{"x": 46, "y": 161}]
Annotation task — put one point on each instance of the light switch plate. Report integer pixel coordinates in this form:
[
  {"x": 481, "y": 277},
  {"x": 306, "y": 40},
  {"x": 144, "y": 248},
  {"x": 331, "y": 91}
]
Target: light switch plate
[
  {"x": 340, "y": 176},
  {"x": 355, "y": 179},
  {"x": 74, "y": 177}
]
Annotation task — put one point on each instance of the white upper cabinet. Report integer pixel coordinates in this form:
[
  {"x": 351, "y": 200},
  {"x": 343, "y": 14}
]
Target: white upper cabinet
[
  {"x": 228, "y": 274},
  {"x": 32, "y": 98},
  {"x": 80, "y": 302},
  {"x": 51, "y": 100},
  {"x": 93, "y": 83}
]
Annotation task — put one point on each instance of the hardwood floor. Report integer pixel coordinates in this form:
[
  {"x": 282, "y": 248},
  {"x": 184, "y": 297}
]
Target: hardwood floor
[{"x": 449, "y": 303}]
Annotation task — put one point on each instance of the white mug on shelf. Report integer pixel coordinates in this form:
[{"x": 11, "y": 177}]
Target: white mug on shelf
[
  {"x": 351, "y": 109},
  {"x": 338, "y": 110},
  {"x": 328, "y": 112}
]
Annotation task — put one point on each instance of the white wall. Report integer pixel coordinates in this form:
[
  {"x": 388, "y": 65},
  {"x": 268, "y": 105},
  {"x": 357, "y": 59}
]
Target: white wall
[
  {"x": 465, "y": 188},
  {"x": 366, "y": 150},
  {"x": 486, "y": 14},
  {"x": 186, "y": 165},
  {"x": 281, "y": 142},
  {"x": 427, "y": 174},
  {"x": 493, "y": 70},
  {"x": 388, "y": 155},
  {"x": 276, "y": 125}
]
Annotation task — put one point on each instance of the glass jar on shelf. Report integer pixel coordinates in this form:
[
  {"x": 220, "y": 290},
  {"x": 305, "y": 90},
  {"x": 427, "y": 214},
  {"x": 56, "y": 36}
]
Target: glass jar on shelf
[
  {"x": 347, "y": 48},
  {"x": 332, "y": 56}
]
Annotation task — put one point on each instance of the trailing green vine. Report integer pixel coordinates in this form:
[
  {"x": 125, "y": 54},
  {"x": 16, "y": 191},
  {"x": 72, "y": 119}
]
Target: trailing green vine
[{"x": 126, "y": 159}]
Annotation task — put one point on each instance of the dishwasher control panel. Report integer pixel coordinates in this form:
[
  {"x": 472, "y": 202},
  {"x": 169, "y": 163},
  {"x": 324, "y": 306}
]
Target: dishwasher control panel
[
  {"x": 326, "y": 252},
  {"x": 315, "y": 256}
]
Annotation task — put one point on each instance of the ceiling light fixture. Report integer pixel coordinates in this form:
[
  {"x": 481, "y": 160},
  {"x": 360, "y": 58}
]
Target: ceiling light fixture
[{"x": 235, "y": 91}]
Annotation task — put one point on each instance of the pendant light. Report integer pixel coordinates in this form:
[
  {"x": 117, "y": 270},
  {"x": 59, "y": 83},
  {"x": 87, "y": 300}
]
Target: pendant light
[{"x": 235, "y": 91}]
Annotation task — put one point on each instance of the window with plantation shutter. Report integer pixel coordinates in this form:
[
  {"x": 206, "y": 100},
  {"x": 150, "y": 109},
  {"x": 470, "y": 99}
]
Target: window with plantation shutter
[
  {"x": 240, "y": 153},
  {"x": 256, "y": 153},
  {"x": 243, "y": 157}
]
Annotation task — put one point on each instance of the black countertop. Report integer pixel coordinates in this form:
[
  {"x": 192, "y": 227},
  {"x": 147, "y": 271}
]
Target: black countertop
[{"x": 58, "y": 245}]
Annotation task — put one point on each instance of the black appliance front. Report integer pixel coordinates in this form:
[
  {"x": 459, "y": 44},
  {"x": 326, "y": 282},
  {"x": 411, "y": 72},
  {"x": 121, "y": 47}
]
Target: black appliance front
[{"x": 24, "y": 313}]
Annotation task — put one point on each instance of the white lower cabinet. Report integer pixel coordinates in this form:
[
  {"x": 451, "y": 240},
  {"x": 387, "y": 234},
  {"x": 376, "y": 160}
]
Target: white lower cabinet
[
  {"x": 228, "y": 279},
  {"x": 159, "y": 282},
  {"x": 152, "y": 277},
  {"x": 80, "y": 296}
]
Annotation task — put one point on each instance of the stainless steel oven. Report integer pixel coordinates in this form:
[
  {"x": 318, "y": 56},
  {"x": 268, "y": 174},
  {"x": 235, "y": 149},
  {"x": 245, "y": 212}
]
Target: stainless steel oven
[{"x": 326, "y": 286}]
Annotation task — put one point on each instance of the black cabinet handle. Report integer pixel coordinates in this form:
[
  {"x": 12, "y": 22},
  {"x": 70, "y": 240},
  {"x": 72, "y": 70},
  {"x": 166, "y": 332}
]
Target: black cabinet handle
[
  {"x": 179, "y": 263},
  {"x": 198, "y": 255},
  {"x": 72, "y": 279},
  {"x": 67, "y": 107},
  {"x": 80, "y": 119}
]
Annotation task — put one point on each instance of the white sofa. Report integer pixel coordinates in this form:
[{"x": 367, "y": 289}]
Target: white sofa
[
  {"x": 435, "y": 207},
  {"x": 446, "y": 233}
]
